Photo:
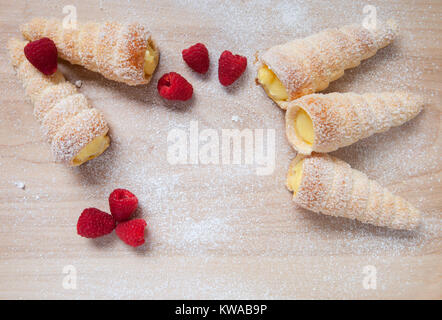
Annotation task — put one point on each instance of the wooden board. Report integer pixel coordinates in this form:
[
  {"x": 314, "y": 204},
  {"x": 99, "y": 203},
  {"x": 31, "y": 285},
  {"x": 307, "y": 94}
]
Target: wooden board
[{"x": 219, "y": 231}]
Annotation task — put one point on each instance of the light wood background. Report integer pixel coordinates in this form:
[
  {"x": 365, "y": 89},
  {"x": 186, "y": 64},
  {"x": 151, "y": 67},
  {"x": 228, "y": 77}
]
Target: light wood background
[{"x": 219, "y": 231}]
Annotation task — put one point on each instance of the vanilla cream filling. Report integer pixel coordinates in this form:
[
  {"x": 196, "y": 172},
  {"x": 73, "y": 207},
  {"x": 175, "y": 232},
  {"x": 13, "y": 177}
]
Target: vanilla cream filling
[
  {"x": 304, "y": 127},
  {"x": 271, "y": 84},
  {"x": 295, "y": 177},
  {"x": 92, "y": 150},
  {"x": 151, "y": 58}
]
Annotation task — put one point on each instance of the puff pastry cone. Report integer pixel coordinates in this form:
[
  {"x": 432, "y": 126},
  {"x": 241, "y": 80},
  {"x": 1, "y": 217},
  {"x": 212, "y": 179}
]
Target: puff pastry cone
[
  {"x": 326, "y": 122},
  {"x": 76, "y": 131},
  {"x": 308, "y": 65},
  {"x": 327, "y": 185},
  {"x": 121, "y": 52}
]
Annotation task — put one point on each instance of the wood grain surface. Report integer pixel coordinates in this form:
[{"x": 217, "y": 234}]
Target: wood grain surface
[{"x": 214, "y": 230}]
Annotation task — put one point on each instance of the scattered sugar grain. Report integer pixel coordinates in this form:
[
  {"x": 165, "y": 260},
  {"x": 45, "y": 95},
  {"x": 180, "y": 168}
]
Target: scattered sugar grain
[{"x": 20, "y": 185}]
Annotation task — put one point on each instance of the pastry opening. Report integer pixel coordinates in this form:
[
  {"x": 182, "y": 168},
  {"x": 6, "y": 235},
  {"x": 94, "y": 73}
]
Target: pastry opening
[
  {"x": 294, "y": 177},
  {"x": 271, "y": 84},
  {"x": 92, "y": 150},
  {"x": 151, "y": 58},
  {"x": 303, "y": 125}
]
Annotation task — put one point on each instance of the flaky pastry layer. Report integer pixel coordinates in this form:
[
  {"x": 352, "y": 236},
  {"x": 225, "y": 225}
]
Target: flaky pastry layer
[
  {"x": 330, "y": 186},
  {"x": 340, "y": 119},
  {"x": 113, "y": 49},
  {"x": 66, "y": 117},
  {"x": 308, "y": 65}
]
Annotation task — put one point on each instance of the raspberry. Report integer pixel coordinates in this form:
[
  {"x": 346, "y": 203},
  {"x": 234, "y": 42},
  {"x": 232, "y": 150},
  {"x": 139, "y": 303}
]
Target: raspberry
[
  {"x": 94, "y": 223},
  {"x": 122, "y": 204},
  {"x": 230, "y": 67},
  {"x": 132, "y": 232},
  {"x": 173, "y": 86},
  {"x": 42, "y": 54},
  {"x": 197, "y": 58}
]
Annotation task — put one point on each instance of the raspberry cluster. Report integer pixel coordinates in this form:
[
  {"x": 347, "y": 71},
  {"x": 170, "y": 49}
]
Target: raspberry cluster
[
  {"x": 94, "y": 223},
  {"x": 173, "y": 86}
]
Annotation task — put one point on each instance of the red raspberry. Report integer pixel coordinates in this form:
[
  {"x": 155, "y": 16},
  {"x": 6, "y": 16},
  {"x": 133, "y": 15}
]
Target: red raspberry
[
  {"x": 94, "y": 223},
  {"x": 197, "y": 57},
  {"x": 122, "y": 204},
  {"x": 42, "y": 54},
  {"x": 230, "y": 67},
  {"x": 173, "y": 86},
  {"x": 132, "y": 232}
]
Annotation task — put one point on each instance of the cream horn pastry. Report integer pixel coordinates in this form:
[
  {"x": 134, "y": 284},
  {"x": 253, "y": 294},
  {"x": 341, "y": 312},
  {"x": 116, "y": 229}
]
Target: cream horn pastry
[
  {"x": 304, "y": 66},
  {"x": 325, "y": 122},
  {"x": 76, "y": 131},
  {"x": 121, "y": 52},
  {"x": 327, "y": 185}
]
